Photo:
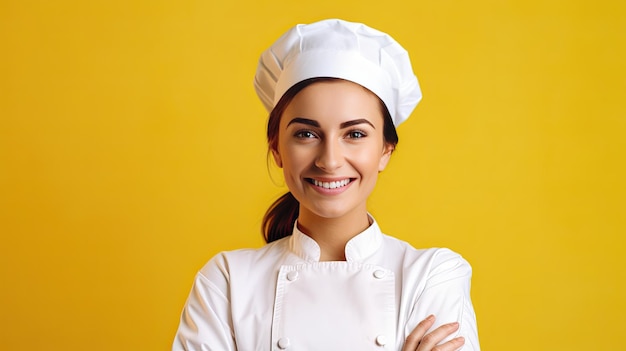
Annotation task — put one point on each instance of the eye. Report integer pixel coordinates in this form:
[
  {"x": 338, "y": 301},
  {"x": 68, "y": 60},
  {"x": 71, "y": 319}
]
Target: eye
[
  {"x": 305, "y": 134},
  {"x": 356, "y": 134}
]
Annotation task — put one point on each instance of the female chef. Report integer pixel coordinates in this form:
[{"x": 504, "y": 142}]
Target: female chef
[{"x": 329, "y": 279}]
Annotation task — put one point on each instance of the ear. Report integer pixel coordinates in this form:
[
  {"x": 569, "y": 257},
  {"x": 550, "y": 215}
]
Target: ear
[
  {"x": 277, "y": 159},
  {"x": 384, "y": 158}
]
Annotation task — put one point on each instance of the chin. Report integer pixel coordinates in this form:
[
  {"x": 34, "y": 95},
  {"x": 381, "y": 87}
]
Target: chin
[{"x": 334, "y": 211}]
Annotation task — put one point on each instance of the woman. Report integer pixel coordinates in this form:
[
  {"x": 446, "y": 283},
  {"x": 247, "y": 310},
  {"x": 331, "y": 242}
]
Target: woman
[{"x": 328, "y": 279}]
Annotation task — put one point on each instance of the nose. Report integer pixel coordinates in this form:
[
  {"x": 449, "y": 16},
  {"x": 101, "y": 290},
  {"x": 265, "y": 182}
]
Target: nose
[{"x": 330, "y": 156}]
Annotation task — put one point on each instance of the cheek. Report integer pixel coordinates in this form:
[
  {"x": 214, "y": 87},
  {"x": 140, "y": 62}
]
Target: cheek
[
  {"x": 369, "y": 160},
  {"x": 293, "y": 160}
]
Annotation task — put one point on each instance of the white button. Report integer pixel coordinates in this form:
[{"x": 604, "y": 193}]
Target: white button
[
  {"x": 283, "y": 343},
  {"x": 378, "y": 274},
  {"x": 291, "y": 276},
  {"x": 381, "y": 340}
]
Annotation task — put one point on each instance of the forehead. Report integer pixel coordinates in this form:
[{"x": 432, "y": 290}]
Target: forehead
[{"x": 334, "y": 102}]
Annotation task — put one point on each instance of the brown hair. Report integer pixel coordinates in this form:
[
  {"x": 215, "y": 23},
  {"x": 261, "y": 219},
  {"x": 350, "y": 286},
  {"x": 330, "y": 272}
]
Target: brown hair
[{"x": 280, "y": 216}]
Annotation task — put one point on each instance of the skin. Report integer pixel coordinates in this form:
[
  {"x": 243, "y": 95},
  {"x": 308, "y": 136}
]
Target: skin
[
  {"x": 333, "y": 132},
  {"x": 420, "y": 340}
]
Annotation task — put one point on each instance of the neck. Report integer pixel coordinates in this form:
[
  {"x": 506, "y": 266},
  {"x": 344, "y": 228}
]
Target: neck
[{"x": 332, "y": 234}]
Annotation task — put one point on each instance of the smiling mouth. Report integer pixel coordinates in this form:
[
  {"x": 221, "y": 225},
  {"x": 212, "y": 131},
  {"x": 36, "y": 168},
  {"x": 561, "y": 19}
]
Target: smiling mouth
[{"x": 330, "y": 185}]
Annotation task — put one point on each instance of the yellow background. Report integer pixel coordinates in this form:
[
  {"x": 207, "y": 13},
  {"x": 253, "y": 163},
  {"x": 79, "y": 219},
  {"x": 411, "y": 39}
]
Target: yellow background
[{"x": 132, "y": 150}]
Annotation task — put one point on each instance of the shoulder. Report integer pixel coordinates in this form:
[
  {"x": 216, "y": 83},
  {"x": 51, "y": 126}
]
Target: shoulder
[
  {"x": 225, "y": 263},
  {"x": 449, "y": 264},
  {"x": 432, "y": 260}
]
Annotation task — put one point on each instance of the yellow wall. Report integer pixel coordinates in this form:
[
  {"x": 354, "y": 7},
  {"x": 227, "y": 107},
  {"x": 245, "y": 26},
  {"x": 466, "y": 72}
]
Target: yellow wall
[{"x": 132, "y": 150}]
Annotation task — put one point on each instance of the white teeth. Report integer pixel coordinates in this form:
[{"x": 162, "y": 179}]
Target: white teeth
[{"x": 331, "y": 185}]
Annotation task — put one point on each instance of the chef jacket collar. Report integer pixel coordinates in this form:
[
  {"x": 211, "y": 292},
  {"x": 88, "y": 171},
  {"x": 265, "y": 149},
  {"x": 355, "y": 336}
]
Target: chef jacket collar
[{"x": 357, "y": 249}]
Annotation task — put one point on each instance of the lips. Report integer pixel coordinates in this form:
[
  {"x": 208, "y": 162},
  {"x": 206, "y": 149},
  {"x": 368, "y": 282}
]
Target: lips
[{"x": 329, "y": 184}]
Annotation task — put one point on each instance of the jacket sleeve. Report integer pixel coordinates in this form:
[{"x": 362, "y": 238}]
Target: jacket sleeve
[
  {"x": 206, "y": 322},
  {"x": 446, "y": 295}
]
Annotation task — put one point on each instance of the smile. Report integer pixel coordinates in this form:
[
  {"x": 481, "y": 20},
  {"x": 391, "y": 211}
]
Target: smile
[{"x": 329, "y": 185}]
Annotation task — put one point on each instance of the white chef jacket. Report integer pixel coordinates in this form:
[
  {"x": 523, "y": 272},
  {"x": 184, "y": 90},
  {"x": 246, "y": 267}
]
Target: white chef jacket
[{"x": 281, "y": 297}]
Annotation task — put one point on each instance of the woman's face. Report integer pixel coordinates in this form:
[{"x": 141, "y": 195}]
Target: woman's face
[{"x": 331, "y": 147}]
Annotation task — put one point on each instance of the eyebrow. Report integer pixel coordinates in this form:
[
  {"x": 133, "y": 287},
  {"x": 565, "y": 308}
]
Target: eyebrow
[
  {"x": 342, "y": 125},
  {"x": 355, "y": 122},
  {"x": 304, "y": 121}
]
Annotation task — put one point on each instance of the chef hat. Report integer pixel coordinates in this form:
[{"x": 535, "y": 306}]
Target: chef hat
[{"x": 340, "y": 49}]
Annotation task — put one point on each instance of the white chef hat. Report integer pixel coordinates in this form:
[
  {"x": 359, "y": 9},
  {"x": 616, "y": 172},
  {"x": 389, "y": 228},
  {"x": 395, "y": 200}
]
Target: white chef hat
[{"x": 340, "y": 49}]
